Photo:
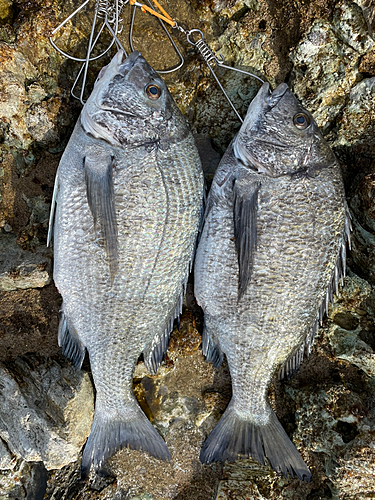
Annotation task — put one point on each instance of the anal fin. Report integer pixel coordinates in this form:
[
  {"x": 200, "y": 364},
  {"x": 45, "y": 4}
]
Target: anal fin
[
  {"x": 211, "y": 348},
  {"x": 72, "y": 347},
  {"x": 153, "y": 355}
]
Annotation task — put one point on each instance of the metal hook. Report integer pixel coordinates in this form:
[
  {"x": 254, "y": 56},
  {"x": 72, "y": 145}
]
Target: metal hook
[
  {"x": 165, "y": 71},
  {"x": 110, "y": 14},
  {"x": 211, "y": 59}
]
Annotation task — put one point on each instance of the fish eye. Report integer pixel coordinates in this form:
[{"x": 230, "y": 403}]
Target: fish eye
[
  {"x": 153, "y": 91},
  {"x": 301, "y": 120}
]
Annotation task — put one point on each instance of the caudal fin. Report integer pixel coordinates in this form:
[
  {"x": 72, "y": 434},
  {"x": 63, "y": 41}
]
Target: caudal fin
[
  {"x": 234, "y": 438},
  {"x": 110, "y": 435}
]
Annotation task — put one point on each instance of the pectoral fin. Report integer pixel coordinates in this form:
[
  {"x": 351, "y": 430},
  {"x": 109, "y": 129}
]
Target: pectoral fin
[
  {"x": 100, "y": 197},
  {"x": 245, "y": 205}
]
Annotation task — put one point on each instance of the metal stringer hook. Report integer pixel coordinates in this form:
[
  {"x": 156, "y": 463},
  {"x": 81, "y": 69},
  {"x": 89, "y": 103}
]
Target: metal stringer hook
[
  {"x": 107, "y": 15},
  {"x": 211, "y": 60},
  {"x": 108, "y": 11}
]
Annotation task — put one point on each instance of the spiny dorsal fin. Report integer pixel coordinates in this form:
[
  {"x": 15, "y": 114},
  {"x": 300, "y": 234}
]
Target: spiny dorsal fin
[
  {"x": 101, "y": 200},
  {"x": 245, "y": 204}
]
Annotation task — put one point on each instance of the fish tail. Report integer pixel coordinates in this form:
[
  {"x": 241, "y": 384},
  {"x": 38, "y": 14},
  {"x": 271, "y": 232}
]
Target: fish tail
[
  {"x": 111, "y": 432},
  {"x": 235, "y": 437}
]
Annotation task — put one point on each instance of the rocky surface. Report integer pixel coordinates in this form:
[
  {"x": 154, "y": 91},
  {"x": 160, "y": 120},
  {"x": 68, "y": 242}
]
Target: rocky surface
[
  {"x": 46, "y": 411},
  {"x": 20, "y": 269},
  {"x": 325, "y": 51}
]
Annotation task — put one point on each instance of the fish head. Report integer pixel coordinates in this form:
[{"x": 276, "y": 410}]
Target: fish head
[
  {"x": 130, "y": 102},
  {"x": 279, "y": 137}
]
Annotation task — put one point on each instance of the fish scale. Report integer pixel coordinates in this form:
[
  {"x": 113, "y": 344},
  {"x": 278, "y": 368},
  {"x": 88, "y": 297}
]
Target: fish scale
[
  {"x": 129, "y": 193},
  {"x": 263, "y": 269}
]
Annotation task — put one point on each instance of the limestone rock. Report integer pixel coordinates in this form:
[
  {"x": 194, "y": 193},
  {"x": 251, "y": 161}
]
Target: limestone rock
[
  {"x": 357, "y": 123},
  {"x": 20, "y": 269},
  {"x": 6, "y": 459},
  {"x": 325, "y": 63},
  {"x": 27, "y": 482},
  {"x": 336, "y": 421},
  {"x": 46, "y": 410}
]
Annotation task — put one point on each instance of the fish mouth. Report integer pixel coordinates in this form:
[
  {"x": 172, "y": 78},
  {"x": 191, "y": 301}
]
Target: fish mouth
[
  {"x": 272, "y": 98},
  {"x": 277, "y": 94},
  {"x": 263, "y": 102},
  {"x": 125, "y": 65},
  {"x": 252, "y": 136}
]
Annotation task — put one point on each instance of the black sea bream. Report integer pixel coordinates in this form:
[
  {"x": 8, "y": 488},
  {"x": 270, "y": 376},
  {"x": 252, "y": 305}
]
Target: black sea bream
[
  {"x": 128, "y": 193},
  {"x": 271, "y": 252}
]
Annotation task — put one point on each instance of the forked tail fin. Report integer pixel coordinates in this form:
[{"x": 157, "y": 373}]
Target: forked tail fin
[
  {"x": 234, "y": 438},
  {"x": 109, "y": 434}
]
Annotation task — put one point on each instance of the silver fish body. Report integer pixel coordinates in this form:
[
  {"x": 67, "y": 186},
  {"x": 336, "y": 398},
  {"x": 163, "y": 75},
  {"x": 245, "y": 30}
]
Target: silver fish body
[
  {"x": 271, "y": 251},
  {"x": 128, "y": 193}
]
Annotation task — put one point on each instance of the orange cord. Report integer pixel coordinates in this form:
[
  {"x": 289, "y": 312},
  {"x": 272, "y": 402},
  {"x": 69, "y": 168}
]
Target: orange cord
[
  {"x": 144, "y": 8},
  {"x": 162, "y": 10}
]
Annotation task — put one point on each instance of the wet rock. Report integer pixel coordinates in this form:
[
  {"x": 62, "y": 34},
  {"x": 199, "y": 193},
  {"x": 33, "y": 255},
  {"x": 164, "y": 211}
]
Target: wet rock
[
  {"x": 15, "y": 69},
  {"x": 361, "y": 203},
  {"x": 322, "y": 80},
  {"x": 357, "y": 123},
  {"x": 20, "y": 269},
  {"x": 27, "y": 482},
  {"x": 368, "y": 9},
  {"x": 28, "y": 322},
  {"x": 35, "y": 484},
  {"x": 46, "y": 410},
  {"x": 45, "y": 118},
  {"x": 335, "y": 419},
  {"x": 7, "y": 461},
  {"x": 347, "y": 343},
  {"x": 5, "y": 10},
  {"x": 178, "y": 410}
]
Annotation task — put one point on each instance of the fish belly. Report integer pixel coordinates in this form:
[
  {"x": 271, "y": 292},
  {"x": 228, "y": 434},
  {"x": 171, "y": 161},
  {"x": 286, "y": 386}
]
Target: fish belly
[{"x": 157, "y": 211}]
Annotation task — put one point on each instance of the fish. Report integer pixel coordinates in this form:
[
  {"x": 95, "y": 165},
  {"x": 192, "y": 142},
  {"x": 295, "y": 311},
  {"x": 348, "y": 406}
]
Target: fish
[
  {"x": 126, "y": 209},
  {"x": 269, "y": 259}
]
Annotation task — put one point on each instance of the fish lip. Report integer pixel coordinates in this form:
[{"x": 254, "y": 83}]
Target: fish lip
[
  {"x": 273, "y": 98},
  {"x": 280, "y": 90},
  {"x": 264, "y": 92},
  {"x": 126, "y": 65}
]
